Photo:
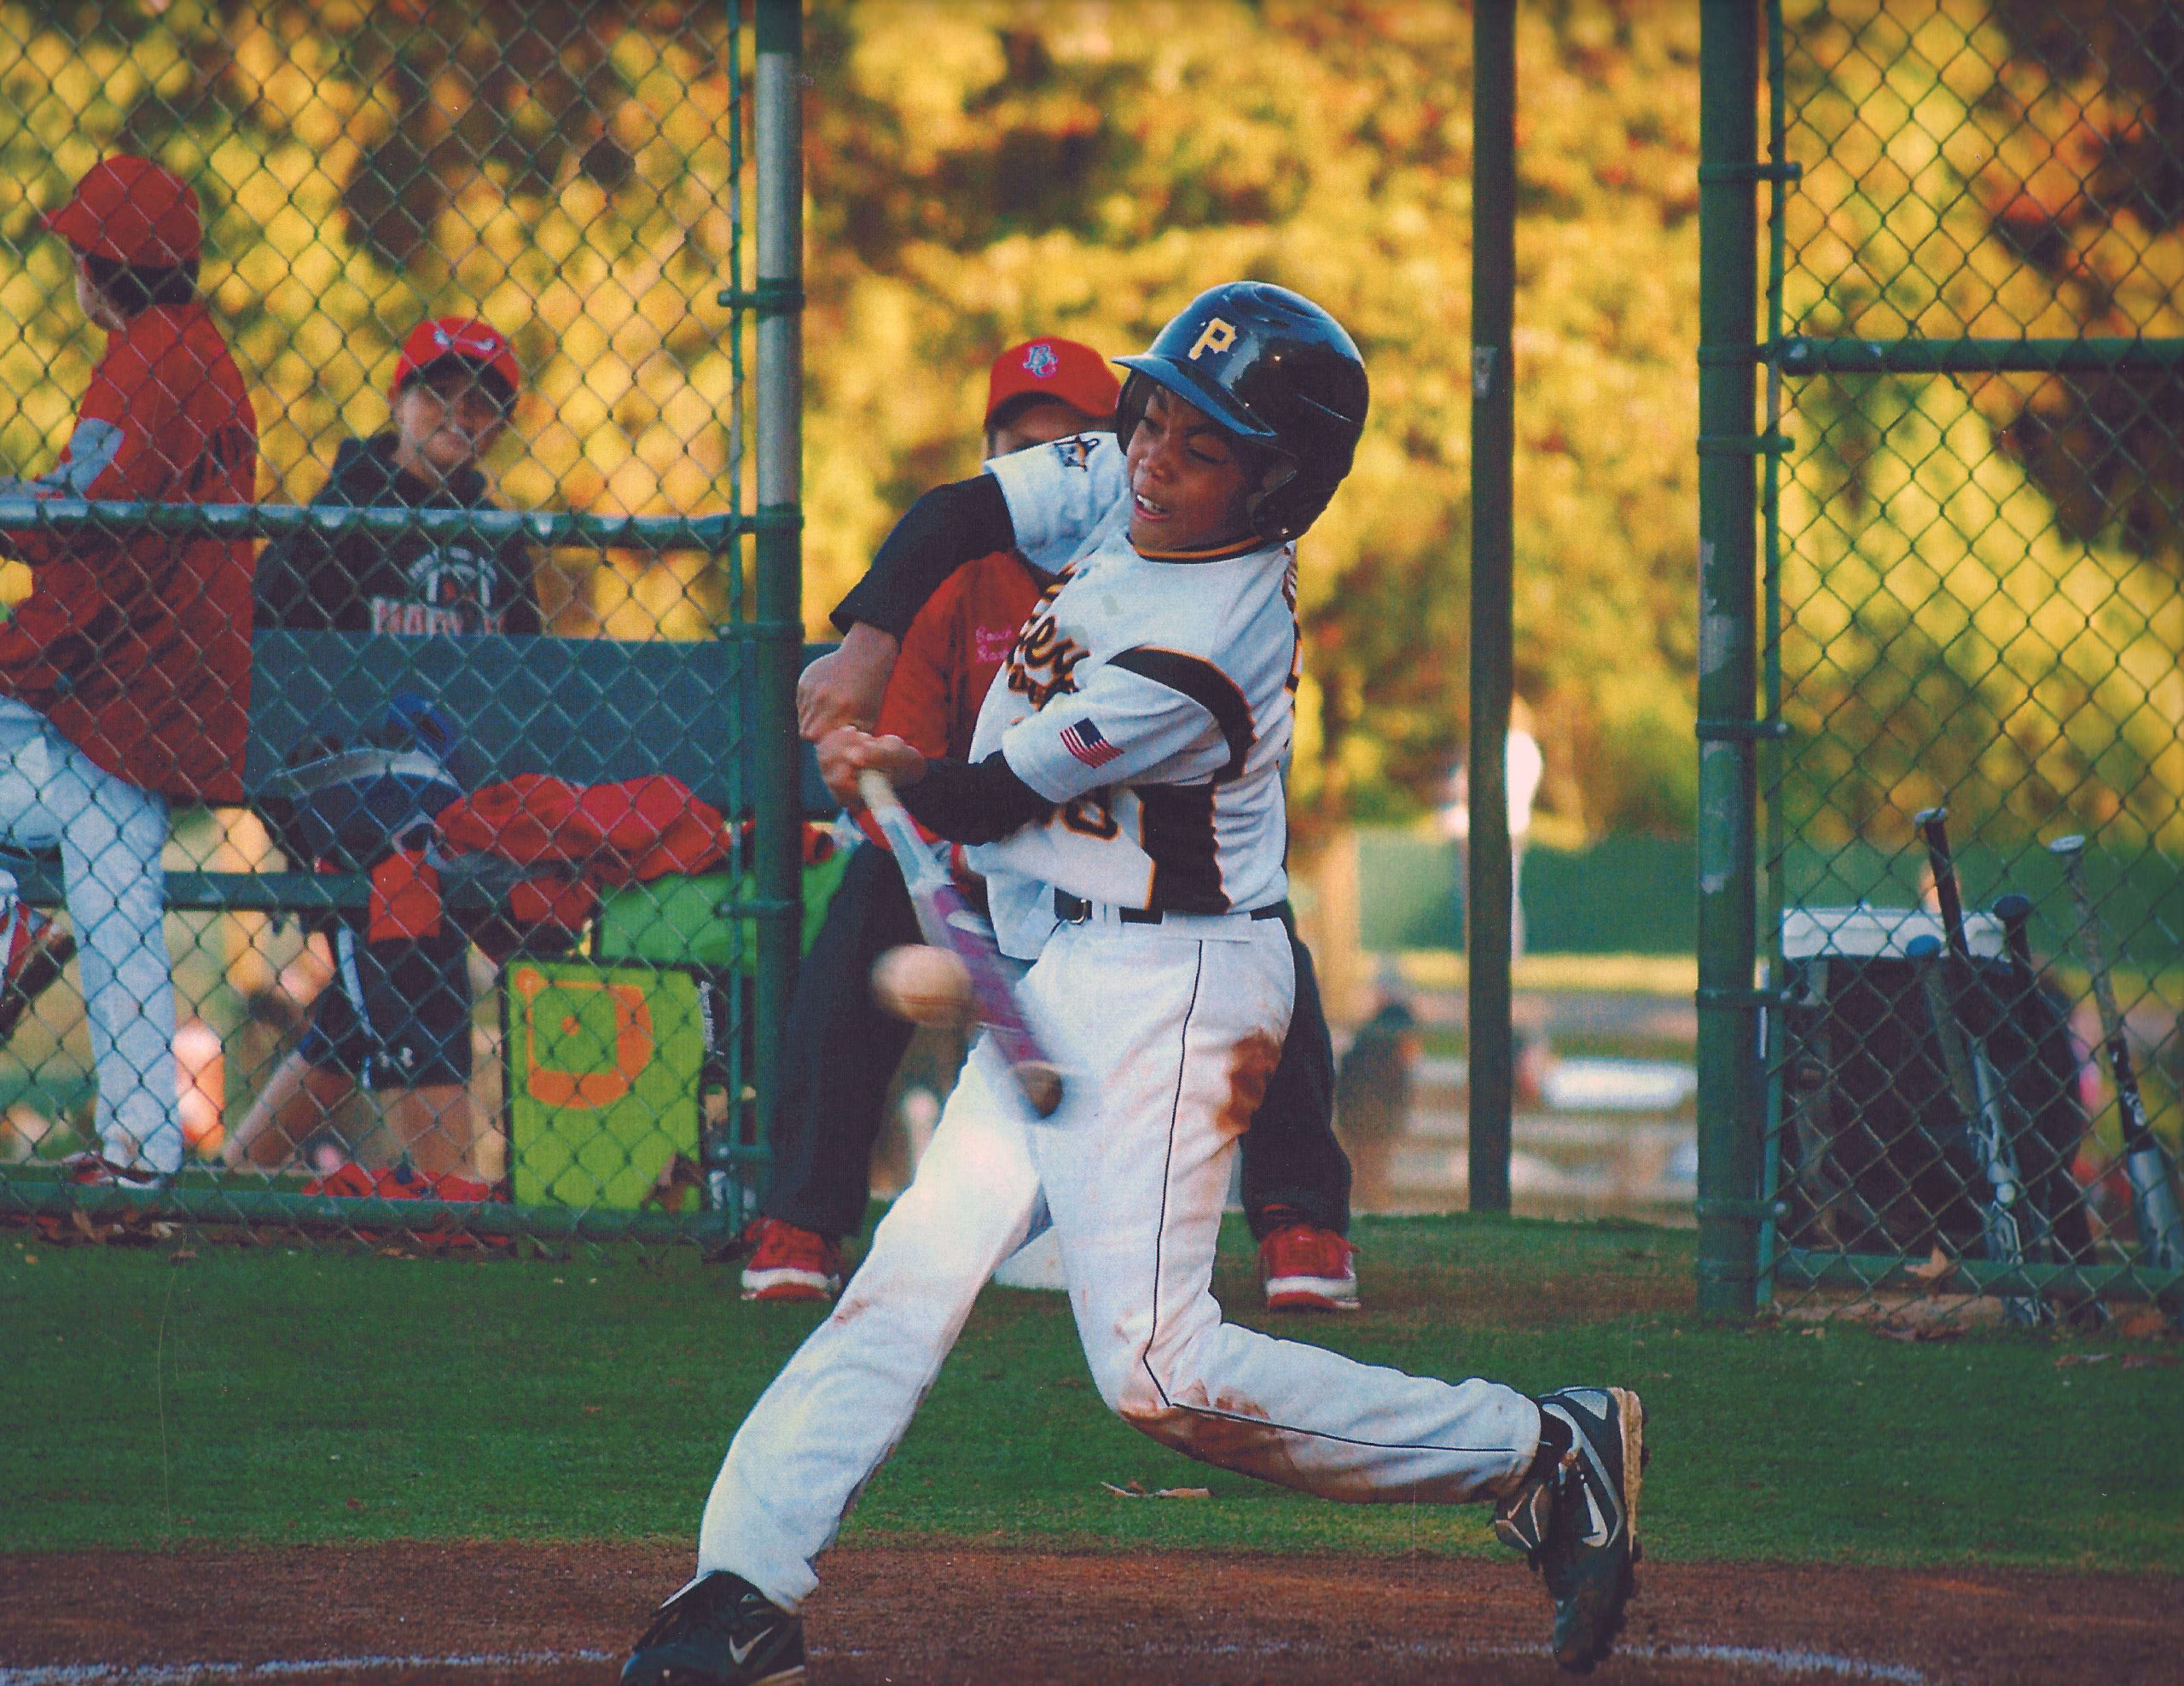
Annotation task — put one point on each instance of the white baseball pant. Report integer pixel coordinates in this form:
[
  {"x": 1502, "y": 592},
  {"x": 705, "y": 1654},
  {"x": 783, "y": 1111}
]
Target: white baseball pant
[
  {"x": 1169, "y": 1034},
  {"x": 110, "y": 834}
]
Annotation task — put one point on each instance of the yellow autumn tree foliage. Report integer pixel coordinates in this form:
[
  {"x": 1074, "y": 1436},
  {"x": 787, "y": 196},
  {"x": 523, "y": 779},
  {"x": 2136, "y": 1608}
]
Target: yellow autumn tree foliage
[{"x": 982, "y": 171}]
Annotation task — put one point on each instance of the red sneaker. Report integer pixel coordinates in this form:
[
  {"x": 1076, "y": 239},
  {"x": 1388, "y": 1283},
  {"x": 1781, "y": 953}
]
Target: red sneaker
[
  {"x": 403, "y": 1182},
  {"x": 787, "y": 1262},
  {"x": 348, "y": 1181},
  {"x": 451, "y": 1186},
  {"x": 1304, "y": 1268},
  {"x": 95, "y": 1170}
]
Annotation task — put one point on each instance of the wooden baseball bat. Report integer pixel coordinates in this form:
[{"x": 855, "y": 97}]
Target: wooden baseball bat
[
  {"x": 2145, "y": 1165},
  {"x": 948, "y": 921}
]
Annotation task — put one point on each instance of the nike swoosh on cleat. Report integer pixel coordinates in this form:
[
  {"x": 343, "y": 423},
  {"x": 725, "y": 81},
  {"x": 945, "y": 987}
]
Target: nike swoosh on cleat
[
  {"x": 1597, "y": 1534},
  {"x": 739, "y": 1654}
]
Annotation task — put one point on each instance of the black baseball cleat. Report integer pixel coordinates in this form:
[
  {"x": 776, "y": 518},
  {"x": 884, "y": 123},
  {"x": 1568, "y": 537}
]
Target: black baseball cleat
[
  {"x": 1578, "y": 1522},
  {"x": 719, "y": 1631}
]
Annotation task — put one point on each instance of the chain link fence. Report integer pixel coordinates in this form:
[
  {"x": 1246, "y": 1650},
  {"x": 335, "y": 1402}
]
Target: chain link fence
[
  {"x": 1971, "y": 650},
  {"x": 397, "y": 809}
]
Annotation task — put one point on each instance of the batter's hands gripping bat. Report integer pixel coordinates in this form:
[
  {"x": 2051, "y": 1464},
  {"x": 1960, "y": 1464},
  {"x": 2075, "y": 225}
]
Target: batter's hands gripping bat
[
  {"x": 948, "y": 921},
  {"x": 2153, "y": 1196}
]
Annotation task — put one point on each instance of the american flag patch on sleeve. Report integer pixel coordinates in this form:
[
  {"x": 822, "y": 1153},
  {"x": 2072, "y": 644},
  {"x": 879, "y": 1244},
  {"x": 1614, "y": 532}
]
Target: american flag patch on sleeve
[{"x": 1083, "y": 740}]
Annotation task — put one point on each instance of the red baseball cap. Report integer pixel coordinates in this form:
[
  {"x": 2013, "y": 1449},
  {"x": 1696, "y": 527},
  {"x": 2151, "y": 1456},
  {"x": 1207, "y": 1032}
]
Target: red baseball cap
[
  {"x": 131, "y": 211},
  {"x": 1048, "y": 367},
  {"x": 463, "y": 338}
]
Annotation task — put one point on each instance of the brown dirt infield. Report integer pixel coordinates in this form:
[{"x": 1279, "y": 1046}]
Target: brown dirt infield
[{"x": 560, "y": 1615}]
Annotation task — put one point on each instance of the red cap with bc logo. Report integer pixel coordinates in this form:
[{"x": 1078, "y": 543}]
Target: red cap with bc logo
[
  {"x": 1061, "y": 369},
  {"x": 128, "y": 210},
  {"x": 465, "y": 339}
]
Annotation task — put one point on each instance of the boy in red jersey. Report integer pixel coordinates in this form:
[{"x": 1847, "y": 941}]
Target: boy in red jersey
[{"x": 125, "y": 675}]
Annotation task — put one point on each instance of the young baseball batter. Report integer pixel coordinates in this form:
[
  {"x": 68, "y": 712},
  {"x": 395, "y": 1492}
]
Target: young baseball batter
[
  {"x": 840, "y": 1048},
  {"x": 1125, "y": 791}
]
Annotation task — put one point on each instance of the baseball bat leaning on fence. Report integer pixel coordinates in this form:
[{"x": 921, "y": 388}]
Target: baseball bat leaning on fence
[
  {"x": 2145, "y": 1165},
  {"x": 2000, "y": 1120},
  {"x": 1933, "y": 822},
  {"x": 1998, "y": 1214},
  {"x": 950, "y": 922}
]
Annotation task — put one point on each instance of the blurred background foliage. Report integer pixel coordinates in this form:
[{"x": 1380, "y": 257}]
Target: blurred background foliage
[
  {"x": 980, "y": 171},
  {"x": 1983, "y": 579}
]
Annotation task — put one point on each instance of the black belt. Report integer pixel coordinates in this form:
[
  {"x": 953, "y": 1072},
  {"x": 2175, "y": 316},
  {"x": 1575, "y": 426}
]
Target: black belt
[{"x": 1075, "y": 910}]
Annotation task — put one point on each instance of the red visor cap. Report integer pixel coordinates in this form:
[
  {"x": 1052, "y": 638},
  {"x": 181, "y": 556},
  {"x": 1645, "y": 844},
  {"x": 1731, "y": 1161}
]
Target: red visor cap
[
  {"x": 131, "y": 211},
  {"x": 462, "y": 337},
  {"x": 1048, "y": 367}
]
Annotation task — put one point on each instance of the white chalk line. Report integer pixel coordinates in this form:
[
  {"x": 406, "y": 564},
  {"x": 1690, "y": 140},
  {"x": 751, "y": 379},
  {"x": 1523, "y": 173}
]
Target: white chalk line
[
  {"x": 1787, "y": 1661},
  {"x": 1774, "y": 1659},
  {"x": 184, "y": 1674},
  {"x": 1771, "y": 1659}
]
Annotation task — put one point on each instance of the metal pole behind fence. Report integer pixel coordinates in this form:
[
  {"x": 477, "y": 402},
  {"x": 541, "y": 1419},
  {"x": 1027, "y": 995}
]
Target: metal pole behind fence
[
  {"x": 778, "y": 597},
  {"x": 1487, "y": 891},
  {"x": 1728, "y": 1208}
]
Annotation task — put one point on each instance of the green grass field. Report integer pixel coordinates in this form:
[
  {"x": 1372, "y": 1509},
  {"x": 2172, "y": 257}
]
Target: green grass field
[{"x": 263, "y": 1394}]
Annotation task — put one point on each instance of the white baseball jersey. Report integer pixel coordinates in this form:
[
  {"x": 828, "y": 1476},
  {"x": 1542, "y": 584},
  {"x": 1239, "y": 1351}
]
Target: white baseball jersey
[{"x": 1150, "y": 699}]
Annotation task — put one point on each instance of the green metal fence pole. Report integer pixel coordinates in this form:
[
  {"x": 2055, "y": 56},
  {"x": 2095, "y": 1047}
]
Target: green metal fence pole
[
  {"x": 1487, "y": 892},
  {"x": 778, "y": 594},
  {"x": 1729, "y": 290}
]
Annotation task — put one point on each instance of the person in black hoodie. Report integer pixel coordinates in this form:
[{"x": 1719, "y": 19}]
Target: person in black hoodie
[
  {"x": 454, "y": 389},
  {"x": 396, "y": 1015}
]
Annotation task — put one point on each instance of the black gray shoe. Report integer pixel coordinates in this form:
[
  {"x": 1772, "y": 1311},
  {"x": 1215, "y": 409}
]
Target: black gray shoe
[
  {"x": 719, "y": 1631},
  {"x": 1577, "y": 1524}
]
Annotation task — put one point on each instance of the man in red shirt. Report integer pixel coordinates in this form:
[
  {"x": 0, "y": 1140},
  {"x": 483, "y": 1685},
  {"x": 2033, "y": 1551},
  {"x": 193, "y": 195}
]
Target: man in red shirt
[
  {"x": 842, "y": 1049},
  {"x": 125, "y": 675}
]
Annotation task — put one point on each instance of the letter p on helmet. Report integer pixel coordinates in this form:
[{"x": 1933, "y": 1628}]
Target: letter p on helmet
[{"x": 1216, "y": 336}]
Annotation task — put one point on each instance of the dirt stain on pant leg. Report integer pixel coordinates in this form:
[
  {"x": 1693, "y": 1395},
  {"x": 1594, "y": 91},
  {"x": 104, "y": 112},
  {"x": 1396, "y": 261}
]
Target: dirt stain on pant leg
[
  {"x": 1226, "y": 1430},
  {"x": 1250, "y": 1066}
]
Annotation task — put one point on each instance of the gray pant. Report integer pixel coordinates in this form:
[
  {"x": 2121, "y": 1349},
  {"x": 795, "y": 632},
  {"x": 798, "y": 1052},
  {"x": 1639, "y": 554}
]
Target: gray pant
[{"x": 110, "y": 834}]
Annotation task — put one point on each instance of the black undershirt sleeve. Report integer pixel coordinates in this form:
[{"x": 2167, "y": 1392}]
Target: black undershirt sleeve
[
  {"x": 949, "y": 525},
  {"x": 973, "y": 802}
]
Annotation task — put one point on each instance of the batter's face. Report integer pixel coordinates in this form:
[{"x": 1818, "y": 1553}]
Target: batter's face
[
  {"x": 1187, "y": 480},
  {"x": 444, "y": 420}
]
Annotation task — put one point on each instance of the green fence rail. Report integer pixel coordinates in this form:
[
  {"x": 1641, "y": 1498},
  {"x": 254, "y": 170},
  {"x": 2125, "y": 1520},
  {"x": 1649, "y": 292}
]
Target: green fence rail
[
  {"x": 576, "y": 179},
  {"x": 1959, "y": 436}
]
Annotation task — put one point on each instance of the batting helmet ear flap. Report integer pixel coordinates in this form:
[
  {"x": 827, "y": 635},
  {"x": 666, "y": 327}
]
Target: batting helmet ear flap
[{"x": 1129, "y": 408}]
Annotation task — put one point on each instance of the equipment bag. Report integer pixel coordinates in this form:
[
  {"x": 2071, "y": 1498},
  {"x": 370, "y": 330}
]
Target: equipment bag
[{"x": 1875, "y": 1155}]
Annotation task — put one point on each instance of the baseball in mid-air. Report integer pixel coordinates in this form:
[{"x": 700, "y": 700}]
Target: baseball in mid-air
[{"x": 925, "y": 985}]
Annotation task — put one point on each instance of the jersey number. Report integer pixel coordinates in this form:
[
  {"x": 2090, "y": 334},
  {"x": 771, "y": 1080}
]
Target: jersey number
[{"x": 1092, "y": 815}]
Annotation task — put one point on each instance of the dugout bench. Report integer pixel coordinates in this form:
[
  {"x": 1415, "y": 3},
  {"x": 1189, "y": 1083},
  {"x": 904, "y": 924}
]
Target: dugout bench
[{"x": 590, "y": 710}]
